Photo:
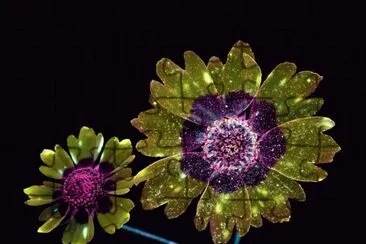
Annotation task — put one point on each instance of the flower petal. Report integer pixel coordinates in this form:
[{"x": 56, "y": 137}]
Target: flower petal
[
  {"x": 87, "y": 145},
  {"x": 51, "y": 223},
  {"x": 241, "y": 72},
  {"x": 181, "y": 87},
  {"x": 215, "y": 67},
  {"x": 306, "y": 146},
  {"x": 167, "y": 184},
  {"x": 117, "y": 152},
  {"x": 58, "y": 160},
  {"x": 51, "y": 172},
  {"x": 122, "y": 186},
  {"x": 194, "y": 165},
  {"x": 76, "y": 233},
  {"x": 262, "y": 116},
  {"x": 118, "y": 215},
  {"x": 270, "y": 198},
  {"x": 49, "y": 212},
  {"x": 39, "y": 195},
  {"x": 192, "y": 136},
  {"x": 287, "y": 92},
  {"x": 223, "y": 212},
  {"x": 163, "y": 131}
]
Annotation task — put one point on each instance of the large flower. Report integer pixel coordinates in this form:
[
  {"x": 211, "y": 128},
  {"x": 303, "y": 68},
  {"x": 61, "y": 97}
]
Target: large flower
[
  {"x": 241, "y": 145},
  {"x": 84, "y": 188}
]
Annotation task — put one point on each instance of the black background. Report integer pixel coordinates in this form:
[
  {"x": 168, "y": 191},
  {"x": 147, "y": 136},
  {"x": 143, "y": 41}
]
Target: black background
[{"x": 69, "y": 64}]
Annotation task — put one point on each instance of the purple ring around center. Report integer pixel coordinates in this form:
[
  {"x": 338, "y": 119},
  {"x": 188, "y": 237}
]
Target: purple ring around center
[{"x": 231, "y": 141}]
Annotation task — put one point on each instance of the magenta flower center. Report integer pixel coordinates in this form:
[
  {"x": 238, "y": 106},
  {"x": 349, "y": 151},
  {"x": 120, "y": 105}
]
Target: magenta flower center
[
  {"x": 82, "y": 187},
  {"x": 230, "y": 145}
]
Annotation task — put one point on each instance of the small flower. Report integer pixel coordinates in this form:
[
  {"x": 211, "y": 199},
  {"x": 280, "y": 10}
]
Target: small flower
[
  {"x": 241, "y": 145},
  {"x": 85, "y": 186}
]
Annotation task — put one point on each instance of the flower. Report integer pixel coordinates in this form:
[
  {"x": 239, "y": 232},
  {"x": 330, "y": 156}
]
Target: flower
[
  {"x": 241, "y": 145},
  {"x": 85, "y": 187}
]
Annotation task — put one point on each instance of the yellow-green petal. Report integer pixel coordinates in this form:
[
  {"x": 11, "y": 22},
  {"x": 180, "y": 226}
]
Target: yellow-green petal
[
  {"x": 39, "y": 195},
  {"x": 118, "y": 215},
  {"x": 76, "y": 233},
  {"x": 181, "y": 87},
  {"x": 167, "y": 184},
  {"x": 51, "y": 172},
  {"x": 241, "y": 72},
  {"x": 36, "y": 191},
  {"x": 288, "y": 91},
  {"x": 223, "y": 212},
  {"x": 117, "y": 152},
  {"x": 163, "y": 131},
  {"x": 270, "y": 198},
  {"x": 48, "y": 213},
  {"x": 87, "y": 145},
  {"x": 215, "y": 68},
  {"x": 58, "y": 159},
  {"x": 306, "y": 145},
  {"x": 51, "y": 223}
]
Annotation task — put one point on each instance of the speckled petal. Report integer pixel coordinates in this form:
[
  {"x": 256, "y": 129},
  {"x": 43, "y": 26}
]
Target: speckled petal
[
  {"x": 215, "y": 67},
  {"x": 118, "y": 215},
  {"x": 223, "y": 212},
  {"x": 241, "y": 72},
  {"x": 87, "y": 145},
  {"x": 287, "y": 92},
  {"x": 270, "y": 198},
  {"x": 192, "y": 136},
  {"x": 167, "y": 184},
  {"x": 117, "y": 152},
  {"x": 306, "y": 145},
  {"x": 262, "y": 116},
  {"x": 181, "y": 87},
  {"x": 163, "y": 131},
  {"x": 206, "y": 109},
  {"x": 194, "y": 165}
]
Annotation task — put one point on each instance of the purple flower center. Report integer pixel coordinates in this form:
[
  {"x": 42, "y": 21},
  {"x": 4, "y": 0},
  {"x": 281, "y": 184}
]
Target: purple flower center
[
  {"x": 230, "y": 145},
  {"x": 82, "y": 187}
]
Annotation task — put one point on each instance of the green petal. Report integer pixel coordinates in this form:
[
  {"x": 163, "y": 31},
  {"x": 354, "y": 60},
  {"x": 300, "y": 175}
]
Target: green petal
[
  {"x": 87, "y": 145},
  {"x": 287, "y": 92},
  {"x": 36, "y": 191},
  {"x": 306, "y": 145},
  {"x": 48, "y": 213},
  {"x": 241, "y": 72},
  {"x": 118, "y": 215},
  {"x": 181, "y": 87},
  {"x": 157, "y": 168},
  {"x": 39, "y": 195},
  {"x": 215, "y": 67},
  {"x": 163, "y": 131},
  {"x": 69, "y": 232},
  {"x": 123, "y": 186},
  {"x": 51, "y": 184},
  {"x": 76, "y": 233},
  {"x": 51, "y": 223},
  {"x": 117, "y": 152},
  {"x": 121, "y": 174},
  {"x": 51, "y": 172},
  {"x": 223, "y": 212},
  {"x": 167, "y": 184},
  {"x": 270, "y": 198},
  {"x": 58, "y": 159}
]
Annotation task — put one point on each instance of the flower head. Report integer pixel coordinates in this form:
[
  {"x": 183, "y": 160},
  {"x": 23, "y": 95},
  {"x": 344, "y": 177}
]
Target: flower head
[
  {"x": 241, "y": 145},
  {"x": 87, "y": 185}
]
